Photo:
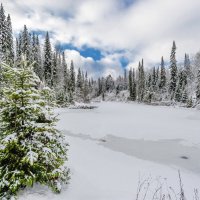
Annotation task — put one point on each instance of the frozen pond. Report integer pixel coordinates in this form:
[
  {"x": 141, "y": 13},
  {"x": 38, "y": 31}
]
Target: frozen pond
[{"x": 115, "y": 144}]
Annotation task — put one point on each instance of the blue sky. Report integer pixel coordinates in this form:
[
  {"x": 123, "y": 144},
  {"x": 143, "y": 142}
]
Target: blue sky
[{"x": 106, "y": 36}]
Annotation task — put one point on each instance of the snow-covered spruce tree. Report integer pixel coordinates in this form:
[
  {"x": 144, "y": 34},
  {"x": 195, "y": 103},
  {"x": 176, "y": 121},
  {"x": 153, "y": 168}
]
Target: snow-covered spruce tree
[
  {"x": 141, "y": 81},
  {"x": 3, "y": 34},
  {"x": 86, "y": 97},
  {"x": 134, "y": 92},
  {"x": 36, "y": 54},
  {"x": 157, "y": 78},
  {"x": 79, "y": 86},
  {"x": 72, "y": 78},
  {"x": 187, "y": 68},
  {"x": 71, "y": 83},
  {"x": 132, "y": 85},
  {"x": 60, "y": 71},
  {"x": 130, "y": 81},
  {"x": 31, "y": 149},
  {"x": 149, "y": 89},
  {"x": 18, "y": 48},
  {"x": 47, "y": 64},
  {"x": 26, "y": 44},
  {"x": 154, "y": 79},
  {"x": 125, "y": 80},
  {"x": 173, "y": 71},
  {"x": 183, "y": 79},
  {"x": 65, "y": 74},
  {"x": 163, "y": 79},
  {"x": 109, "y": 83},
  {"x": 99, "y": 87},
  {"x": 55, "y": 69},
  {"x": 9, "y": 42}
]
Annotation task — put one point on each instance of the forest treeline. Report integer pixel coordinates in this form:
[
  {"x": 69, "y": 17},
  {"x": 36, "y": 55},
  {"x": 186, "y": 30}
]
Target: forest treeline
[{"x": 171, "y": 82}]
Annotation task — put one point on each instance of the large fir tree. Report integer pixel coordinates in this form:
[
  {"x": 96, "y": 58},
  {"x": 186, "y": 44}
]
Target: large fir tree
[
  {"x": 32, "y": 150},
  {"x": 173, "y": 71}
]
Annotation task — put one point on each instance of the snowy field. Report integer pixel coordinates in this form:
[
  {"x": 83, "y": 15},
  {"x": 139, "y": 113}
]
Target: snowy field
[{"x": 115, "y": 144}]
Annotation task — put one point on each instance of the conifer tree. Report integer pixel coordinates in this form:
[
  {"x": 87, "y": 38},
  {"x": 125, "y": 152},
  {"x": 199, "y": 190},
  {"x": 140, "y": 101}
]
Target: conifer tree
[
  {"x": 9, "y": 42},
  {"x": 86, "y": 89},
  {"x": 47, "y": 61},
  {"x": 141, "y": 81},
  {"x": 18, "y": 48},
  {"x": 125, "y": 80},
  {"x": 149, "y": 89},
  {"x": 182, "y": 79},
  {"x": 134, "y": 92},
  {"x": 26, "y": 44},
  {"x": 163, "y": 79},
  {"x": 3, "y": 34},
  {"x": 60, "y": 71},
  {"x": 72, "y": 78},
  {"x": 79, "y": 85},
  {"x": 32, "y": 150},
  {"x": 149, "y": 82},
  {"x": 109, "y": 83},
  {"x": 178, "y": 92},
  {"x": 36, "y": 56},
  {"x": 66, "y": 74},
  {"x": 154, "y": 79},
  {"x": 99, "y": 90},
  {"x": 55, "y": 79},
  {"x": 187, "y": 67},
  {"x": 72, "y": 83},
  {"x": 130, "y": 78},
  {"x": 173, "y": 71},
  {"x": 157, "y": 77}
]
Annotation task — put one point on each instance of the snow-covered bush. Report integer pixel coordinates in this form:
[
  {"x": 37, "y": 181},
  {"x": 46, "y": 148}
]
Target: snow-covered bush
[
  {"x": 82, "y": 106},
  {"x": 31, "y": 149}
]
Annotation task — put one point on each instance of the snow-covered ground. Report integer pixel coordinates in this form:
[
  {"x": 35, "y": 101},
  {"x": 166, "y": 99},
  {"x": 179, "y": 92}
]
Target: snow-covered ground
[{"x": 115, "y": 144}]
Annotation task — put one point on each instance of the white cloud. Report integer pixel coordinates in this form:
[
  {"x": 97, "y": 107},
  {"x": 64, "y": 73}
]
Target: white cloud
[
  {"x": 146, "y": 28},
  {"x": 105, "y": 66}
]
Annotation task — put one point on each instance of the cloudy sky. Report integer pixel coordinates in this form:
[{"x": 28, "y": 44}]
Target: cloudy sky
[{"x": 105, "y": 36}]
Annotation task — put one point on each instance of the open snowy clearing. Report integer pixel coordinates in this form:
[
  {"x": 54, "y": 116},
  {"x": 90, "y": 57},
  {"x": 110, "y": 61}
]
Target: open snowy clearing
[{"x": 111, "y": 146}]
